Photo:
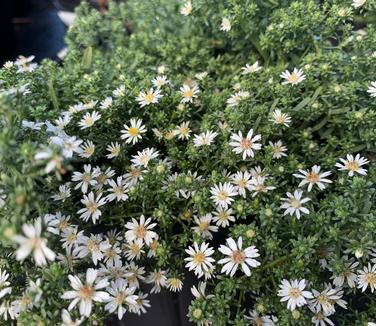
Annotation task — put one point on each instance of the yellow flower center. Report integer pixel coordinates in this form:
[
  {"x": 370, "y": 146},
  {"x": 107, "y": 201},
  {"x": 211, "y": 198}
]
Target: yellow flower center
[
  {"x": 149, "y": 97},
  {"x": 295, "y": 203},
  {"x": 133, "y": 131},
  {"x": 222, "y": 195},
  {"x": 312, "y": 177},
  {"x": 199, "y": 258},
  {"x": 294, "y": 293},
  {"x": 245, "y": 143},
  {"x": 85, "y": 292},
  {"x": 188, "y": 93},
  {"x": 352, "y": 166},
  {"x": 238, "y": 257},
  {"x": 140, "y": 232}
]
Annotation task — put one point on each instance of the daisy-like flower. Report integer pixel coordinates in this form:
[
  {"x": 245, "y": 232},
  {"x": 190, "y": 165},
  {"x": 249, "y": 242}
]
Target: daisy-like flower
[
  {"x": 106, "y": 103},
  {"x": 70, "y": 237},
  {"x": 186, "y": 9},
  {"x": 103, "y": 177},
  {"x": 237, "y": 256},
  {"x": 313, "y": 177},
  {"x": 372, "y": 89},
  {"x": 133, "y": 133},
  {"x": 4, "y": 283},
  {"x": 294, "y": 78},
  {"x": 222, "y": 194},
  {"x": 257, "y": 185},
  {"x": 32, "y": 125},
  {"x": 86, "y": 293},
  {"x": 57, "y": 222},
  {"x": 174, "y": 284},
  {"x": 93, "y": 246},
  {"x": 143, "y": 158},
  {"x": 358, "y": 3},
  {"x": 92, "y": 206},
  {"x": 278, "y": 150},
  {"x": 259, "y": 320},
  {"x": 204, "y": 139},
  {"x": 160, "y": 81},
  {"x": 201, "y": 75},
  {"x": 280, "y": 118},
  {"x": 347, "y": 274},
  {"x": 32, "y": 242},
  {"x": 188, "y": 93},
  {"x": 149, "y": 97},
  {"x": 133, "y": 250},
  {"x": 325, "y": 300},
  {"x": 89, "y": 119},
  {"x": 133, "y": 176},
  {"x": 293, "y": 292},
  {"x": 223, "y": 217},
  {"x": 114, "y": 150},
  {"x": 118, "y": 190},
  {"x": 87, "y": 148},
  {"x": 86, "y": 178},
  {"x": 63, "y": 194},
  {"x": 24, "y": 64},
  {"x": 199, "y": 292},
  {"x": 247, "y": 69},
  {"x": 245, "y": 145},
  {"x": 119, "y": 92},
  {"x": 199, "y": 258},
  {"x": 54, "y": 160},
  {"x": 121, "y": 297},
  {"x": 140, "y": 230},
  {"x": 142, "y": 303},
  {"x": 158, "y": 279},
  {"x": 68, "y": 321},
  {"x": 293, "y": 204},
  {"x": 134, "y": 274},
  {"x": 69, "y": 145},
  {"x": 183, "y": 131},
  {"x": 242, "y": 181},
  {"x": 236, "y": 98},
  {"x": 352, "y": 164},
  {"x": 204, "y": 227},
  {"x": 320, "y": 318},
  {"x": 367, "y": 278},
  {"x": 225, "y": 25}
]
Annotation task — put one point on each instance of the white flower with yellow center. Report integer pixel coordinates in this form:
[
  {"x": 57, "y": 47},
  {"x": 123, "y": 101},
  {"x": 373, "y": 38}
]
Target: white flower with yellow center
[
  {"x": 313, "y": 177},
  {"x": 347, "y": 274},
  {"x": 119, "y": 92},
  {"x": 222, "y": 194},
  {"x": 149, "y": 97},
  {"x": 140, "y": 230},
  {"x": 106, "y": 103},
  {"x": 237, "y": 256},
  {"x": 93, "y": 246},
  {"x": 222, "y": 216},
  {"x": 133, "y": 176},
  {"x": 280, "y": 118},
  {"x": 293, "y": 78},
  {"x": 186, "y": 9},
  {"x": 63, "y": 194},
  {"x": 86, "y": 293},
  {"x": 257, "y": 185},
  {"x": 203, "y": 226},
  {"x": 293, "y": 204},
  {"x": 225, "y": 25},
  {"x": 87, "y": 149},
  {"x": 188, "y": 93},
  {"x": 114, "y": 150},
  {"x": 143, "y": 158},
  {"x": 160, "y": 81},
  {"x": 133, "y": 133},
  {"x": 133, "y": 250},
  {"x": 358, "y": 3},
  {"x": 121, "y": 298},
  {"x": 242, "y": 182},
  {"x": 204, "y": 139},
  {"x": 278, "y": 150},
  {"x": 293, "y": 292},
  {"x": 250, "y": 69},
  {"x": 199, "y": 258},
  {"x": 236, "y": 98},
  {"x": 92, "y": 205},
  {"x": 4, "y": 283},
  {"x": 367, "y": 278},
  {"x": 325, "y": 300},
  {"x": 32, "y": 242},
  {"x": 183, "y": 131},
  {"x": 118, "y": 190},
  {"x": 89, "y": 119},
  {"x": 245, "y": 145},
  {"x": 259, "y": 320},
  {"x": 174, "y": 284},
  {"x": 352, "y": 164},
  {"x": 68, "y": 321}
]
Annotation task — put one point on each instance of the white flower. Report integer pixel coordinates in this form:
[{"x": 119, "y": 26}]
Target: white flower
[
  {"x": 242, "y": 181},
  {"x": 183, "y": 131},
  {"x": 186, "y": 9},
  {"x": 358, "y": 3},
  {"x": 293, "y": 292},
  {"x": 140, "y": 230},
  {"x": 280, "y": 118},
  {"x": 4, "y": 284},
  {"x": 133, "y": 250},
  {"x": 320, "y": 318},
  {"x": 114, "y": 270},
  {"x": 245, "y": 145},
  {"x": 93, "y": 246},
  {"x": 258, "y": 320},
  {"x": 199, "y": 292},
  {"x": 235, "y": 99},
  {"x": 294, "y": 78},
  {"x": 222, "y": 194},
  {"x": 119, "y": 92},
  {"x": 142, "y": 303},
  {"x": 134, "y": 274},
  {"x": 89, "y": 119},
  {"x": 67, "y": 320},
  {"x": 88, "y": 149},
  {"x": 225, "y": 25},
  {"x": 188, "y": 93},
  {"x": 68, "y": 144},
  {"x": 313, "y": 177},
  {"x": 120, "y": 295},
  {"x": 201, "y": 75},
  {"x": 251, "y": 69},
  {"x": 106, "y": 103},
  {"x": 367, "y": 278},
  {"x": 86, "y": 293},
  {"x": 70, "y": 237},
  {"x": 133, "y": 133},
  {"x": 278, "y": 150},
  {"x": 347, "y": 274},
  {"x": 325, "y": 300},
  {"x": 32, "y": 125},
  {"x": 158, "y": 279},
  {"x": 24, "y": 64},
  {"x": 62, "y": 121},
  {"x": 204, "y": 139},
  {"x": 133, "y": 176},
  {"x": 102, "y": 177},
  {"x": 118, "y": 190},
  {"x": 237, "y": 256},
  {"x": 86, "y": 178},
  {"x": 54, "y": 159},
  {"x": 352, "y": 164},
  {"x": 92, "y": 205},
  {"x": 160, "y": 81},
  {"x": 113, "y": 149},
  {"x": 56, "y": 222},
  {"x": 63, "y": 194},
  {"x": 372, "y": 89},
  {"x": 223, "y": 217},
  {"x": 203, "y": 228},
  {"x": 174, "y": 284},
  {"x": 199, "y": 258},
  {"x": 293, "y": 204},
  {"x": 149, "y": 97},
  {"x": 143, "y": 158},
  {"x": 33, "y": 243},
  {"x": 257, "y": 185}
]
